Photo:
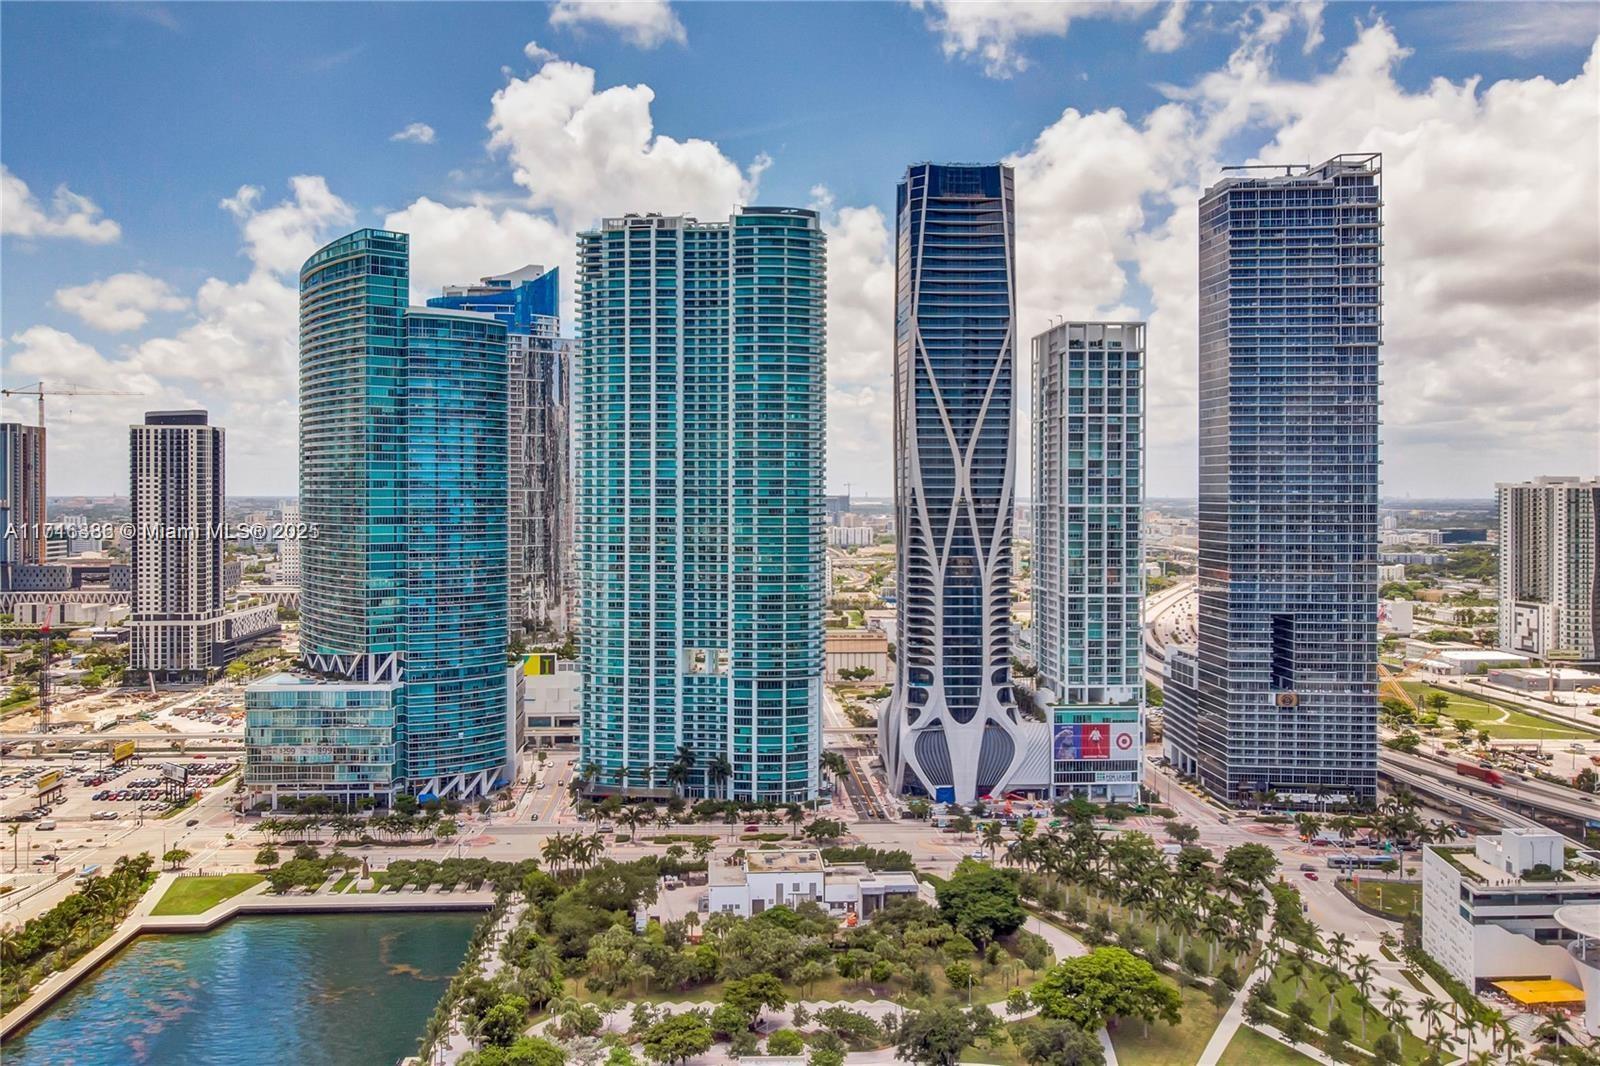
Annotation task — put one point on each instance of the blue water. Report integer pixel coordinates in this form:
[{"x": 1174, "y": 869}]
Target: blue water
[{"x": 264, "y": 991}]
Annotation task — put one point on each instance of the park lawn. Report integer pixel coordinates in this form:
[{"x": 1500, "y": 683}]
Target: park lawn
[
  {"x": 1395, "y": 898},
  {"x": 196, "y": 895},
  {"x": 1169, "y": 1045},
  {"x": 1251, "y": 1048},
  {"x": 1285, "y": 990},
  {"x": 343, "y": 882},
  {"x": 1503, "y": 723}
]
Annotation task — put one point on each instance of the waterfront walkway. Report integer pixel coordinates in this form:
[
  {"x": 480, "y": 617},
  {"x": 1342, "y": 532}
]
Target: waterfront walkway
[
  {"x": 458, "y": 1043},
  {"x": 253, "y": 900}
]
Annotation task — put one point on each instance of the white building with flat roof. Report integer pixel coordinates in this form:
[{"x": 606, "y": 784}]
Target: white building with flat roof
[
  {"x": 794, "y": 876},
  {"x": 1488, "y": 908}
]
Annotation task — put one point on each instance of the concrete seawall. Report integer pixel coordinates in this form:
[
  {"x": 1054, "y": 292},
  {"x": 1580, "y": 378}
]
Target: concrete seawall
[{"x": 252, "y": 901}]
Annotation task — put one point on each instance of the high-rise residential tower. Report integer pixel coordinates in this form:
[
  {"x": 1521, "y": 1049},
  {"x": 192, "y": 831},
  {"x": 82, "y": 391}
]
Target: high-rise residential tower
[
  {"x": 1291, "y": 266},
  {"x": 540, "y": 540},
  {"x": 289, "y": 544},
  {"x": 403, "y": 478},
  {"x": 700, "y": 413},
  {"x": 952, "y": 728},
  {"x": 22, "y": 496},
  {"x": 1088, "y": 559},
  {"x": 177, "y": 467},
  {"x": 1549, "y": 577}
]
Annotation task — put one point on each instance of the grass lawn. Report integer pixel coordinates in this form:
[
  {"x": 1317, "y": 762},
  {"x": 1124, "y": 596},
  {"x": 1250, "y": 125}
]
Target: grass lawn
[
  {"x": 196, "y": 895},
  {"x": 1502, "y": 723},
  {"x": 1398, "y": 899},
  {"x": 343, "y": 882},
  {"x": 1169, "y": 1045},
  {"x": 1250, "y": 1048},
  {"x": 1285, "y": 990}
]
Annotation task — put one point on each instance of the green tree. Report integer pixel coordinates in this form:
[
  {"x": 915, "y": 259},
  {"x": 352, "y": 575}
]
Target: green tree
[
  {"x": 936, "y": 1036},
  {"x": 1106, "y": 983},
  {"x": 981, "y": 902},
  {"x": 176, "y": 857},
  {"x": 503, "y": 1022},
  {"x": 1058, "y": 1043},
  {"x": 785, "y": 1042},
  {"x": 524, "y": 1051},
  {"x": 678, "y": 1037}
]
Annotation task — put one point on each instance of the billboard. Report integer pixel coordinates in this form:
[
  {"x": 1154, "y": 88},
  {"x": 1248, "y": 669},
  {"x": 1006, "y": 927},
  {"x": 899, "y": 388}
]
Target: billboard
[
  {"x": 539, "y": 664},
  {"x": 174, "y": 772},
  {"x": 48, "y": 782},
  {"x": 1096, "y": 740},
  {"x": 123, "y": 751}
]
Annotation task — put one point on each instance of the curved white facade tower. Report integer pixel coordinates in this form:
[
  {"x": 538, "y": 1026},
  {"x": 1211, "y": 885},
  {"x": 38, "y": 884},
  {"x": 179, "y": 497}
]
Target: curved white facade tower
[{"x": 952, "y": 727}]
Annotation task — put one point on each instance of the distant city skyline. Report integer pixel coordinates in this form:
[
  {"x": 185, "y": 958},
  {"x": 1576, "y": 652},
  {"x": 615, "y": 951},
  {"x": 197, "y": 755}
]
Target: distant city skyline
[{"x": 175, "y": 285}]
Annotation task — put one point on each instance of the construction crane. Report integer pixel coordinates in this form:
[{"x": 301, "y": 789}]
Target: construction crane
[{"x": 40, "y": 390}]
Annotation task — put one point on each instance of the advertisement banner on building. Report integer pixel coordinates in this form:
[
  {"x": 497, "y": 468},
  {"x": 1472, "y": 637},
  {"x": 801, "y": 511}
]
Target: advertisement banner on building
[
  {"x": 1096, "y": 740},
  {"x": 123, "y": 751}
]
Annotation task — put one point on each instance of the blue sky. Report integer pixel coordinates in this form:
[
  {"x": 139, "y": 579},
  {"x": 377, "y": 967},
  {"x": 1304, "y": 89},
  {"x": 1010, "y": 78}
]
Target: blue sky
[{"x": 152, "y": 116}]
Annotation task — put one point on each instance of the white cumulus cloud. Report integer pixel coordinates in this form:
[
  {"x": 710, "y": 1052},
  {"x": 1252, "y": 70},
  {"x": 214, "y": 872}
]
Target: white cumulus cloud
[
  {"x": 120, "y": 302},
  {"x": 69, "y": 215},
  {"x": 280, "y": 237},
  {"x": 582, "y": 153},
  {"x": 991, "y": 30},
  {"x": 536, "y": 53},
  {"x": 414, "y": 133},
  {"x": 644, "y": 23}
]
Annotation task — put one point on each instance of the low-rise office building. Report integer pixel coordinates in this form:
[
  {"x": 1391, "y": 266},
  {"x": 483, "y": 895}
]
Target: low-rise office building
[
  {"x": 552, "y": 700},
  {"x": 310, "y": 737},
  {"x": 788, "y": 878},
  {"x": 854, "y": 650},
  {"x": 1488, "y": 908}
]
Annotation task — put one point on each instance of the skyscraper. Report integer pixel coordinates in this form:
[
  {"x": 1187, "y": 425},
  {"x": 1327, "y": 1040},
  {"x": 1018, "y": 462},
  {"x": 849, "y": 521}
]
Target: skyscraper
[
  {"x": 177, "y": 467},
  {"x": 289, "y": 545},
  {"x": 1088, "y": 582},
  {"x": 1549, "y": 576},
  {"x": 1290, "y": 327},
  {"x": 700, "y": 408},
  {"x": 22, "y": 496},
  {"x": 403, "y": 478},
  {"x": 952, "y": 728},
  {"x": 540, "y": 360}
]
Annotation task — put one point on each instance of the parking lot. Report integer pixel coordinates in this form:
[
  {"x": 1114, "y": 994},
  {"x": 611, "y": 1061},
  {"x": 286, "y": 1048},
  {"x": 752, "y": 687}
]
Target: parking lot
[{"x": 85, "y": 804}]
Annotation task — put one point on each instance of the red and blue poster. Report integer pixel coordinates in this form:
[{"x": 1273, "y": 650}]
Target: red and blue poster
[{"x": 1086, "y": 740}]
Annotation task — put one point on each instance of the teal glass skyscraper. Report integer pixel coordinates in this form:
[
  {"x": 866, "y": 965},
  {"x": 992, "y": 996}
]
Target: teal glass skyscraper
[
  {"x": 403, "y": 479},
  {"x": 700, "y": 407}
]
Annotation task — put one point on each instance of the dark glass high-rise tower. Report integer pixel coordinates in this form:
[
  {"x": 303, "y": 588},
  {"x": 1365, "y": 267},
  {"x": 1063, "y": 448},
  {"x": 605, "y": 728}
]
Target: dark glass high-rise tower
[
  {"x": 952, "y": 728},
  {"x": 1291, "y": 265}
]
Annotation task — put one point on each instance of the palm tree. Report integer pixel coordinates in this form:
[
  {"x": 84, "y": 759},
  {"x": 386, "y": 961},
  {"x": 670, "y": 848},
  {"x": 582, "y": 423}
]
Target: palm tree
[
  {"x": 1429, "y": 1011},
  {"x": 1338, "y": 948},
  {"x": 992, "y": 836},
  {"x": 1216, "y": 927},
  {"x": 721, "y": 770},
  {"x": 1362, "y": 972},
  {"x": 1554, "y": 1029},
  {"x": 796, "y": 815},
  {"x": 1393, "y": 1005},
  {"x": 554, "y": 851}
]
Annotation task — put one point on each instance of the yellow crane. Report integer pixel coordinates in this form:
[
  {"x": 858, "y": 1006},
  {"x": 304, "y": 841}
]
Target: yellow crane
[{"x": 40, "y": 390}]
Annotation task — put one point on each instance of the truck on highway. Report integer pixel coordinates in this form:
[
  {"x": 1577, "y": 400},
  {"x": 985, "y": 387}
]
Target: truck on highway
[{"x": 1493, "y": 777}]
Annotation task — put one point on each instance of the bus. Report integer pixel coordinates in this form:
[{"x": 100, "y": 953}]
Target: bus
[{"x": 1358, "y": 862}]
